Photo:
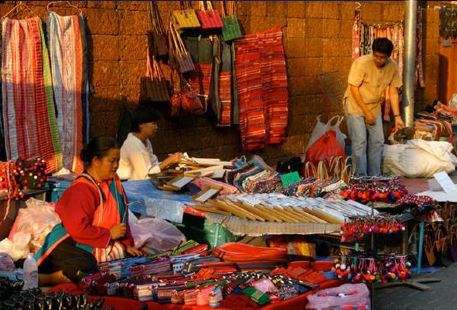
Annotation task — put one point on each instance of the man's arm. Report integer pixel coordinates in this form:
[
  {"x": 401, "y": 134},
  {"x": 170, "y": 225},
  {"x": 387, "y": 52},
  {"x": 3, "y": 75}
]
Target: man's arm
[
  {"x": 395, "y": 102},
  {"x": 369, "y": 118}
]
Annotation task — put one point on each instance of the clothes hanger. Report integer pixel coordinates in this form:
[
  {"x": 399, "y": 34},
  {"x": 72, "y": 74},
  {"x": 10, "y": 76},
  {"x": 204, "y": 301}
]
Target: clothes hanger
[
  {"x": 18, "y": 6},
  {"x": 48, "y": 7},
  {"x": 358, "y": 6}
]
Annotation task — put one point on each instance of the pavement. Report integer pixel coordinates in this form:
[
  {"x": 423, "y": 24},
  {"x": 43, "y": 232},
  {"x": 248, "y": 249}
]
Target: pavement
[{"x": 442, "y": 296}]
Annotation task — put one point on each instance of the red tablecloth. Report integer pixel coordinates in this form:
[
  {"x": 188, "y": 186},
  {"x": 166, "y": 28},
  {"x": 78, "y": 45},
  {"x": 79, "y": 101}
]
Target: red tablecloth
[{"x": 119, "y": 303}]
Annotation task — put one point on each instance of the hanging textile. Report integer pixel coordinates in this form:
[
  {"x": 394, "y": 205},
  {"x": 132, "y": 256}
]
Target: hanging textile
[
  {"x": 28, "y": 107},
  {"x": 262, "y": 89},
  {"x": 201, "y": 50},
  {"x": 221, "y": 94},
  {"x": 364, "y": 34},
  {"x": 66, "y": 50}
]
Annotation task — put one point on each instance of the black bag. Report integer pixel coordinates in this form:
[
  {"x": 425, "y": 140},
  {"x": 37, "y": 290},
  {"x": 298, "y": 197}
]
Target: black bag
[
  {"x": 154, "y": 87},
  {"x": 290, "y": 165},
  {"x": 180, "y": 55},
  {"x": 157, "y": 36}
]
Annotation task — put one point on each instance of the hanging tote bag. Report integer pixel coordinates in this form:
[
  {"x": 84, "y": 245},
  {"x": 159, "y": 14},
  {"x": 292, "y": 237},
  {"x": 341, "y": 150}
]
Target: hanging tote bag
[
  {"x": 231, "y": 29},
  {"x": 154, "y": 87},
  {"x": 209, "y": 17},
  {"x": 157, "y": 36},
  {"x": 186, "y": 17},
  {"x": 180, "y": 56}
]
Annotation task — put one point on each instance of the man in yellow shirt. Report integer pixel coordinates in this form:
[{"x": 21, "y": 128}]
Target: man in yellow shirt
[{"x": 369, "y": 79}]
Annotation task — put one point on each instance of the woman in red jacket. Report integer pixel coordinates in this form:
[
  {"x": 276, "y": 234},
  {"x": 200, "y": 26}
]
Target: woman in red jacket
[{"x": 93, "y": 212}]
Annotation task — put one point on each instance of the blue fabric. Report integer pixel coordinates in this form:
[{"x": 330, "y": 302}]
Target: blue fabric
[
  {"x": 367, "y": 144},
  {"x": 138, "y": 190}
]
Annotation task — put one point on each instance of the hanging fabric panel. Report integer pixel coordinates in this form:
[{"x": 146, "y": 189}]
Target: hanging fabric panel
[
  {"x": 67, "y": 57},
  {"x": 262, "y": 89},
  {"x": 28, "y": 106}
]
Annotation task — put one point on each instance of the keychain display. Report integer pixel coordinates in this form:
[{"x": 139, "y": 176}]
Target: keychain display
[
  {"x": 422, "y": 203},
  {"x": 356, "y": 228},
  {"x": 373, "y": 189},
  {"x": 382, "y": 269}
]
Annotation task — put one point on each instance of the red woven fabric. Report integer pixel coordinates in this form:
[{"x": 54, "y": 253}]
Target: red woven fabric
[{"x": 262, "y": 85}]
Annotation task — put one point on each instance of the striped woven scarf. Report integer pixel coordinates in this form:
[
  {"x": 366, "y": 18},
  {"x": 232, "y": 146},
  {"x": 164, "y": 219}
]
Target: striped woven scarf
[
  {"x": 67, "y": 59},
  {"x": 28, "y": 106}
]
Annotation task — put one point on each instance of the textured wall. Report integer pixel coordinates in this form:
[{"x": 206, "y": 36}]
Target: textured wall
[{"x": 317, "y": 40}]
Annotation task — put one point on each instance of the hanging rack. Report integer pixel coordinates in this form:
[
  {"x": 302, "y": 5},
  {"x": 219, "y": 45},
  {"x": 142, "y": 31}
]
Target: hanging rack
[
  {"x": 48, "y": 7},
  {"x": 18, "y": 6}
]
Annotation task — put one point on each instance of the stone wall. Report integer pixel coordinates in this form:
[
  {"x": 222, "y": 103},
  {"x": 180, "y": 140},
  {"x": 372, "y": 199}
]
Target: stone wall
[{"x": 317, "y": 40}]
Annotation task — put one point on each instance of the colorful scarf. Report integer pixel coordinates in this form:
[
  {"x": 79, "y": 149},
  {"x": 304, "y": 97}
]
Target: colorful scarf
[
  {"x": 66, "y": 49},
  {"x": 28, "y": 106}
]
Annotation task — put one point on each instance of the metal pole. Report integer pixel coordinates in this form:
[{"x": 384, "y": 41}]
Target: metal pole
[{"x": 410, "y": 62}]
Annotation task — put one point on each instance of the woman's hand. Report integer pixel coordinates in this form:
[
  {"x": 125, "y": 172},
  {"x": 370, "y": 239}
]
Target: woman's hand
[
  {"x": 118, "y": 231},
  {"x": 134, "y": 252},
  {"x": 171, "y": 160}
]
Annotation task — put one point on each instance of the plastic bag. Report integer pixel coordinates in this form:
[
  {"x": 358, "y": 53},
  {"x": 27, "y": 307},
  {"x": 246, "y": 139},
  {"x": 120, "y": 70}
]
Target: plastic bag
[
  {"x": 325, "y": 148},
  {"x": 321, "y": 128},
  {"x": 418, "y": 158},
  {"x": 6, "y": 263},
  {"x": 156, "y": 234},
  {"x": 356, "y": 295},
  {"x": 37, "y": 219},
  {"x": 16, "y": 247}
]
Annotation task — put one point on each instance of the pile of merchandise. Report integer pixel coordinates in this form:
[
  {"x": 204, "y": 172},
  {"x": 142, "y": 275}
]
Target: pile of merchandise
[
  {"x": 383, "y": 269},
  {"x": 356, "y": 228},
  {"x": 374, "y": 189},
  {"x": 232, "y": 273}
]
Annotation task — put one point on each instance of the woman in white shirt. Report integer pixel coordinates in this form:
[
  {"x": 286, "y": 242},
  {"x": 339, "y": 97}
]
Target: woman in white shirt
[{"x": 137, "y": 158}]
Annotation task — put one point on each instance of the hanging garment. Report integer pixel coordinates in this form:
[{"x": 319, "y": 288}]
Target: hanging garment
[
  {"x": 221, "y": 96},
  {"x": 67, "y": 59},
  {"x": 262, "y": 89},
  {"x": 28, "y": 106}
]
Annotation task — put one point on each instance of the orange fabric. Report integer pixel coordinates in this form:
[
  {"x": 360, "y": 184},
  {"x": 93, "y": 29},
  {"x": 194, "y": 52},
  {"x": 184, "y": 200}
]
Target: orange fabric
[{"x": 233, "y": 251}]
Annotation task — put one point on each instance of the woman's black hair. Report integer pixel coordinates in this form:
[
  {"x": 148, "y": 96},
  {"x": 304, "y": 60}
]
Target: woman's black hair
[
  {"x": 98, "y": 147},
  {"x": 143, "y": 114},
  {"x": 383, "y": 45}
]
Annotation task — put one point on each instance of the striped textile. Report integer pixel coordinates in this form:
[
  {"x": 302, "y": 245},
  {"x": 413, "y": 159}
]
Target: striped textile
[
  {"x": 27, "y": 100},
  {"x": 66, "y": 51},
  {"x": 262, "y": 89}
]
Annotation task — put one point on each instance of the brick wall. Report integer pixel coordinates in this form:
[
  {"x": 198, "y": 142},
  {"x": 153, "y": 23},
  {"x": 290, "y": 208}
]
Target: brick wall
[{"x": 317, "y": 40}]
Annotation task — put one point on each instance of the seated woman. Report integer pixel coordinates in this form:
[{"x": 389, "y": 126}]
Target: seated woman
[
  {"x": 137, "y": 158},
  {"x": 94, "y": 226}
]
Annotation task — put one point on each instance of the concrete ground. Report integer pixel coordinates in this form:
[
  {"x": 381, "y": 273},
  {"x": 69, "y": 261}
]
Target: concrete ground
[{"x": 442, "y": 296}]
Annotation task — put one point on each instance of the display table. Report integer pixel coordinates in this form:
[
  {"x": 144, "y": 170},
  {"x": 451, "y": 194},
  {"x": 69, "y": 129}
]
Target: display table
[
  {"x": 145, "y": 199},
  {"x": 143, "y": 196}
]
